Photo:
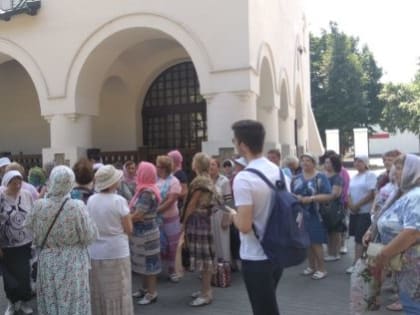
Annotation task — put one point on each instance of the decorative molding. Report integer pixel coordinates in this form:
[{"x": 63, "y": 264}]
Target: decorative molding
[
  {"x": 246, "y": 96},
  {"x": 48, "y": 118},
  {"x": 73, "y": 116},
  {"x": 29, "y": 7}
]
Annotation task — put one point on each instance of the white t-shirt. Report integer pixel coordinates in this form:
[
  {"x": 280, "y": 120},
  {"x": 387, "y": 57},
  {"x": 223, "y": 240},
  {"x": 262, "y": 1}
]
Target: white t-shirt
[
  {"x": 249, "y": 189},
  {"x": 360, "y": 186},
  {"x": 107, "y": 211}
]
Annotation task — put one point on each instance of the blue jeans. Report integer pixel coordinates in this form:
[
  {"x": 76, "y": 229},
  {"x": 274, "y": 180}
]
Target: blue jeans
[
  {"x": 261, "y": 279},
  {"x": 410, "y": 307}
]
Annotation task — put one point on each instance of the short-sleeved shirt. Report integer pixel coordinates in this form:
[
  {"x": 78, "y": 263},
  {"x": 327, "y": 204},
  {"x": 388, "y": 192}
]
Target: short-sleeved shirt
[
  {"x": 336, "y": 180},
  {"x": 146, "y": 203},
  {"x": 250, "y": 190},
  {"x": 344, "y": 174},
  {"x": 107, "y": 211},
  {"x": 169, "y": 185},
  {"x": 360, "y": 185}
]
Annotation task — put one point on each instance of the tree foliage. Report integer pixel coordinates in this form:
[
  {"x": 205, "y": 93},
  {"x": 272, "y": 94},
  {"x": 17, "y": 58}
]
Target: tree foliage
[
  {"x": 402, "y": 106},
  {"x": 345, "y": 83}
]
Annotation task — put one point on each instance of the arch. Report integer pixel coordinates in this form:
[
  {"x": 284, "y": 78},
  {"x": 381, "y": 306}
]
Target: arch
[
  {"x": 160, "y": 24},
  {"x": 265, "y": 54},
  {"x": 174, "y": 113},
  {"x": 19, "y": 54},
  {"x": 285, "y": 102}
]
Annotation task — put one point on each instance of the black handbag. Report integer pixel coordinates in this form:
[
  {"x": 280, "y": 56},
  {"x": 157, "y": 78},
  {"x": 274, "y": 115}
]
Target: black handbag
[{"x": 332, "y": 214}]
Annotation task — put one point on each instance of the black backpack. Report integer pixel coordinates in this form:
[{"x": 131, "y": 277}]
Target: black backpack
[{"x": 285, "y": 240}]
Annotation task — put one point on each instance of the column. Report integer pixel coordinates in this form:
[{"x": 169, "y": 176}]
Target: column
[
  {"x": 71, "y": 136},
  {"x": 269, "y": 118},
  {"x": 223, "y": 109},
  {"x": 333, "y": 139},
  {"x": 361, "y": 141}
]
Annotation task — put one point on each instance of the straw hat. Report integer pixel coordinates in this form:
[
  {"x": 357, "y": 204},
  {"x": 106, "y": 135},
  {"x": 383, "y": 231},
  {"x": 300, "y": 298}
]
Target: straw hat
[
  {"x": 106, "y": 176},
  {"x": 241, "y": 161}
]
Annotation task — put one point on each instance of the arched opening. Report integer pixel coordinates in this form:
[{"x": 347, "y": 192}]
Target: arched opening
[
  {"x": 23, "y": 131},
  {"x": 284, "y": 121},
  {"x": 174, "y": 112},
  {"x": 299, "y": 124},
  {"x": 266, "y": 109},
  {"x": 143, "y": 87}
]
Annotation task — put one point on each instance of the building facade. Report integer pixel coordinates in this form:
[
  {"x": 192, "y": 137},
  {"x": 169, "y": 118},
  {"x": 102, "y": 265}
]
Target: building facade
[{"x": 124, "y": 75}]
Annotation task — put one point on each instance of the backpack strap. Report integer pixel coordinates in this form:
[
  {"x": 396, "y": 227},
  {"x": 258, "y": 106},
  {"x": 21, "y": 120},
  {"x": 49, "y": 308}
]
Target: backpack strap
[{"x": 280, "y": 184}]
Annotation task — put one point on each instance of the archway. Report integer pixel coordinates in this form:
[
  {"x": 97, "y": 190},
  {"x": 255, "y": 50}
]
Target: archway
[
  {"x": 23, "y": 131},
  {"x": 266, "y": 108}
]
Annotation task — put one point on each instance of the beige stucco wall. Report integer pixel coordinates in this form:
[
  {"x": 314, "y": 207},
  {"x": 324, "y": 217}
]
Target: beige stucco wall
[
  {"x": 72, "y": 48},
  {"x": 22, "y": 128}
]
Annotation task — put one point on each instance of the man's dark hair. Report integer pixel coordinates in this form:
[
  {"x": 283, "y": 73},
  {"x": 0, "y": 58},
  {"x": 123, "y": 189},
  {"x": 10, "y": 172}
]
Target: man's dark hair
[
  {"x": 276, "y": 152},
  {"x": 83, "y": 171},
  {"x": 251, "y": 133}
]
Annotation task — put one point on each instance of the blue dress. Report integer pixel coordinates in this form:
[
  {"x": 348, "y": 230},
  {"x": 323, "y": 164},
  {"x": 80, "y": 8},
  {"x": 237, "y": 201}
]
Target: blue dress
[{"x": 319, "y": 184}]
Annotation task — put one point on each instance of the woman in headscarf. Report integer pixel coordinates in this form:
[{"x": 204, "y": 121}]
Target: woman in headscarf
[
  {"x": 127, "y": 187},
  {"x": 63, "y": 263},
  {"x": 399, "y": 230},
  {"x": 15, "y": 242},
  {"x": 145, "y": 241}
]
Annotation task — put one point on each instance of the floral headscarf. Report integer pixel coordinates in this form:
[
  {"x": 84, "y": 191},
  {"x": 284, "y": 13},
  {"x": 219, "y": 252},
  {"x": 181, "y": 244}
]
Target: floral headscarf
[
  {"x": 61, "y": 182},
  {"x": 410, "y": 177},
  {"x": 146, "y": 179}
]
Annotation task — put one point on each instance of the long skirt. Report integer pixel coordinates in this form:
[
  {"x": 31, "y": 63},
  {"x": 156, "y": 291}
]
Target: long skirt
[
  {"x": 221, "y": 237},
  {"x": 199, "y": 239},
  {"x": 110, "y": 287},
  {"x": 16, "y": 273},
  {"x": 170, "y": 232}
]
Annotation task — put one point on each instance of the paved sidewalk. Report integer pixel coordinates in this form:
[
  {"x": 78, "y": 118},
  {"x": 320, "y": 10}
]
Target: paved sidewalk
[{"x": 297, "y": 295}]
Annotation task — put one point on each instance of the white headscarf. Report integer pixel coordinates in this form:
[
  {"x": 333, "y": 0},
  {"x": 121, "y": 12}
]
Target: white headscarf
[
  {"x": 61, "y": 182},
  {"x": 410, "y": 177},
  {"x": 9, "y": 176}
]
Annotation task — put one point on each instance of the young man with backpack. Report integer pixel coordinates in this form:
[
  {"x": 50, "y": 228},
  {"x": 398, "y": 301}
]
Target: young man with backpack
[{"x": 253, "y": 201}]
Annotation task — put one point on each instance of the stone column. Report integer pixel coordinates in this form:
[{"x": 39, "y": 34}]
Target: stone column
[
  {"x": 361, "y": 141},
  {"x": 71, "y": 135},
  {"x": 333, "y": 139},
  {"x": 269, "y": 118},
  {"x": 223, "y": 109}
]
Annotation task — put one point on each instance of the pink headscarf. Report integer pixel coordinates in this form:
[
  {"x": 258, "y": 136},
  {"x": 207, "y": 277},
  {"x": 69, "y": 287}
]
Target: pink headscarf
[
  {"x": 146, "y": 179},
  {"x": 176, "y": 157}
]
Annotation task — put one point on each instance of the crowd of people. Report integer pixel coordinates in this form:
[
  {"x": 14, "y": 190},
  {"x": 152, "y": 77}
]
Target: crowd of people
[{"x": 91, "y": 226}]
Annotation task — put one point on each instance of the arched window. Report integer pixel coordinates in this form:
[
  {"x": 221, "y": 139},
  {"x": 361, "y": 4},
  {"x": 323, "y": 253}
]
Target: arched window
[{"x": 174, "y": 112}]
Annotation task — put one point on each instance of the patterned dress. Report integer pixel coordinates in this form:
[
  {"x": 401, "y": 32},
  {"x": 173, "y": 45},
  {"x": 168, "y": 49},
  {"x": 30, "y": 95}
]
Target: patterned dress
[
  {"x": 145, "y": 241},
  {"x": 198, "y": 232},
  {"x": 404, "y": 214},
  {"x": 318, "y": 184},
  {"x": 63, "y": 264}
]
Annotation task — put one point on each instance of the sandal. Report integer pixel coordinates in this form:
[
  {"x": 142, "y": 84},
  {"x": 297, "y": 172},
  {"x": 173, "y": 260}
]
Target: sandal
[
  {"x": 396, "y": 307},
  {"x": 148, "y": 299},
  {"x": 174, "y": 278},
  {"x": 139, "y": 293},
  {"x": 318, "y": 275},
  {"x": 195, "y": 294},
  {"x": 308, "y": 271},
  {"x": 200, "y": 301}
]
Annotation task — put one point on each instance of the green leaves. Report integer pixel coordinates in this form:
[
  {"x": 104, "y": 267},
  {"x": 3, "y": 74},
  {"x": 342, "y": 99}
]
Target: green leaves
[{"x": 345, "y": 83}]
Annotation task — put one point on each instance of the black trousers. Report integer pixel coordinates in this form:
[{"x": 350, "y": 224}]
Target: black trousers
[
  {"x": 16, "y": 273},
  {"x": 261, "y": 279}
]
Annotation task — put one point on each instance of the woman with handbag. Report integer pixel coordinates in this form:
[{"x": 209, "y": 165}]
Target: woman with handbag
[
  {"x": 15, "y": 242},
  {"x": 312, "y": 188},
  {"x": 62, "y": 229},
  {"x": 335, "y": 221},
  {"x": 398, "y": 226}
]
